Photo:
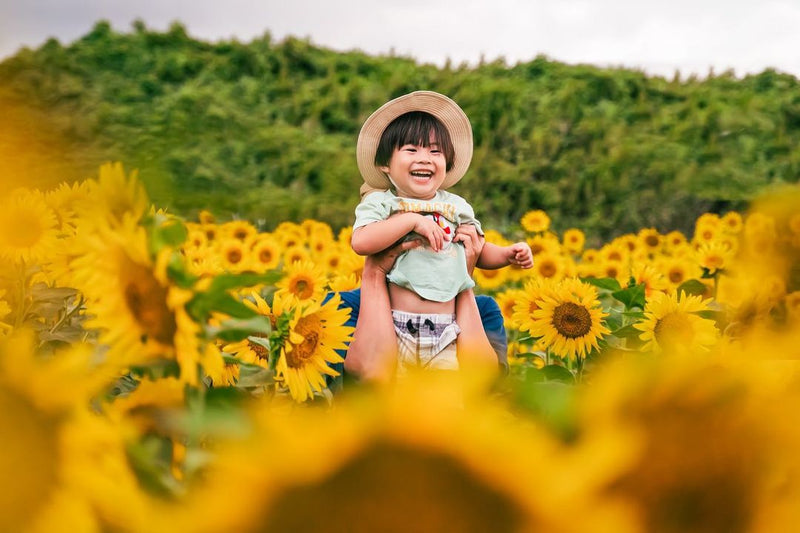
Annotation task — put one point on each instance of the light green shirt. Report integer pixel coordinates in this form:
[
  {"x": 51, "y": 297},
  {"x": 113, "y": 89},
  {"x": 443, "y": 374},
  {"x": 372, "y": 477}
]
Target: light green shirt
[{"x": 437, "y": 276}]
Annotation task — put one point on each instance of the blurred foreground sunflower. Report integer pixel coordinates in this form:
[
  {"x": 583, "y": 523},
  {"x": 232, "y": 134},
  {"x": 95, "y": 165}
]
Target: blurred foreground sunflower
[
  {"x": 63, "y": 468},
  {"x": 423, "y": 457}
]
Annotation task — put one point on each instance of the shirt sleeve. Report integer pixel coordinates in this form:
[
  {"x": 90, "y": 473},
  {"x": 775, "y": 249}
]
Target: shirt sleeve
[
  {"x": 373, "y": 207},
  {"x": 467, "y": 216}
]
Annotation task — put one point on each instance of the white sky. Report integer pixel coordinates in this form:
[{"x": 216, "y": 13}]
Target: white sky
[{"x": 659, "y": 37}]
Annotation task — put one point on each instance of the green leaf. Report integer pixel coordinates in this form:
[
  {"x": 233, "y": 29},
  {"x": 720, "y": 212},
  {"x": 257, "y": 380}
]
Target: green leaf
[
  {"x": 610, "y": 284},
  {"x": 171, "y": 233},
  {"x": 692, "y": 286},
  {"x": 558, "y": 373},
  {"x": 226, "y": 282},
  {"x": 627, "y": 332},
  {"x": 239, "y": 329},
  {"x": 631, "y": 297}
]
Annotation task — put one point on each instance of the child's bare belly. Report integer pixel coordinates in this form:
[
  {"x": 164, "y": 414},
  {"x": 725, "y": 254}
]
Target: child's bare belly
[{"x": 403, "y": 299}]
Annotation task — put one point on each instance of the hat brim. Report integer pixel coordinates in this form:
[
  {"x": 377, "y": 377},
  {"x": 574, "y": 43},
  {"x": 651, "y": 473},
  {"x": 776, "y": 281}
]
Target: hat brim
[{"x": 443, "y": 108}]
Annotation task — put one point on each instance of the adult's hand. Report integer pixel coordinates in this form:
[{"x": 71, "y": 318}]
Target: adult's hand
[
  {"x": 473, "y": 244},
  {"x": 383, "y": 261}
]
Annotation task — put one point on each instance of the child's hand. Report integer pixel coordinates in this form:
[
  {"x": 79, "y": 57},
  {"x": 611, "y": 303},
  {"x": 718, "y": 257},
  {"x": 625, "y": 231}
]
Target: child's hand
[
  {"x": 431, "y": 232},
  {"x": 520, "y": 254}
]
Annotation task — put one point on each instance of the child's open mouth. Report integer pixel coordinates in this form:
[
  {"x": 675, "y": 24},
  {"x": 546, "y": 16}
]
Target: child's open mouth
[{"x": 422, "y": 174}]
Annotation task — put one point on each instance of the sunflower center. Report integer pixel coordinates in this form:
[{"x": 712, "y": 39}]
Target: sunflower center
[
  {"x": 572, "y": 320},
  {"x": 265, "y": 256},
  {"x": 394, "y": 487},
  {"x": 548, "y": 269},
  {"x": 309, "y": 328},
  {"x": 652, "y": 241},
  {"x": 147, "y": 301},
  {"x": 674, "y": 329},
  {"x": 234, "y": 256},
  {"x": 676, "y": 275},
  {"x": 29, "y": 459},
  {"x": 302, "y": 288}
]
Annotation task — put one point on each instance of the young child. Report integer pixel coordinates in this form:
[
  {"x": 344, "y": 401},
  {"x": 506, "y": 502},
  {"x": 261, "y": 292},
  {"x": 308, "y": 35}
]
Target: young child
[{"x": 409, "y": 151}]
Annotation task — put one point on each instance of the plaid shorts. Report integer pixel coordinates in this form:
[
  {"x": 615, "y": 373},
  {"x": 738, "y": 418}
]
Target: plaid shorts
[{"x": 426, "y": 340}]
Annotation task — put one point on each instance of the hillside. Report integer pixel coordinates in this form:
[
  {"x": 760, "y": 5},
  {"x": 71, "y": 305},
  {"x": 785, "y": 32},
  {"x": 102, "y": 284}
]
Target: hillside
[{"x": 266, "y": 130}]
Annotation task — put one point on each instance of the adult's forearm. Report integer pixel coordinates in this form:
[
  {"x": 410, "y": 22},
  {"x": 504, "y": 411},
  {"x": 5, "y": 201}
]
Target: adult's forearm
[
  {"x": 372, "y": 353},
  {"x": 474, "y": 349}
]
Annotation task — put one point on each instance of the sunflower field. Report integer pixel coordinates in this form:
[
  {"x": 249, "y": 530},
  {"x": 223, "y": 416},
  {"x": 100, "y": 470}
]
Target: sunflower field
[{"x": 165, "y": 374}]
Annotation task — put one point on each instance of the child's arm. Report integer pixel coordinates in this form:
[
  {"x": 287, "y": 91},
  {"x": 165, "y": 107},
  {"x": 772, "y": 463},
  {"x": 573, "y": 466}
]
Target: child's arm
[
  {"x": 494, "y": 256},
  {"x": 379, "y": 235}
]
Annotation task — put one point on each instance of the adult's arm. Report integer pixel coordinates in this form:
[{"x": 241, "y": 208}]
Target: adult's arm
[
  {"x": 372, "y": 355},
  {"x": 473, "y": 347}
]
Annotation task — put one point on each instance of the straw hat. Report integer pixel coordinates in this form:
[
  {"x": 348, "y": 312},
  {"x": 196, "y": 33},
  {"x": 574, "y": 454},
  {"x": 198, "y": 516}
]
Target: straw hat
[{"x": 438, "y": 105}]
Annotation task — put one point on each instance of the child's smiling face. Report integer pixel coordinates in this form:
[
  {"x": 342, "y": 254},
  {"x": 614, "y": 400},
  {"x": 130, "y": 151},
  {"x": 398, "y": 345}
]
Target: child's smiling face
[{"x": 417, "y": 171}]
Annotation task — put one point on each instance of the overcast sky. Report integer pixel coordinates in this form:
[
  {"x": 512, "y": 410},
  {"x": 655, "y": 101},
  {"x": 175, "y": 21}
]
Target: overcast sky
[{"x": 660, "y": 37}]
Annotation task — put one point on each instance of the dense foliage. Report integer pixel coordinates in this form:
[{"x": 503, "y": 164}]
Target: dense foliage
[{"x": 266, "y": 130}]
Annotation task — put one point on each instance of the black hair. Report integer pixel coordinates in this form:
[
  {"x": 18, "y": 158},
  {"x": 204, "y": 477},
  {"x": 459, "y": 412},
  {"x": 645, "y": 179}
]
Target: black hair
[{"x": 414, "y": 127}]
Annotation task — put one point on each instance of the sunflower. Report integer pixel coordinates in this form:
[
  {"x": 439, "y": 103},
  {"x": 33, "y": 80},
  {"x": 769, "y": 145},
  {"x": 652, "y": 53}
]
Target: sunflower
[
  {"x": 569, "y": 320},
  {"x": 573, "y": 241},
  {"x": 528, "y": 302},
  {"x": 212, "y": 232},
  {"x": 613, "y": 269},
  {"x": 316, "y": 230},
  {"x": 672, "y": 323},
  {"x": 732, "y": 222},
  {"x": 405, "y": 461},
  {"x": 650, "y": 239},
  {"x": 296, "y": 254},
  {"x": 714, "y": 256},
  {"x": 315, "y": 333},
  {"x": 344, "y": 282},
  {"x": 65, "y": 201},
  {"x": 543, "y": 243},
  {"x": 206, "y": 217},
  {"x": 265, "y": 253},
  {"x": 65, "y": 467},
  {"x": 234, "y": 255},
  {"x": 650, "y": 276},
  {"x": 115, "y": 197},
  {"x": 615, "y": 251},
  {"x": 677, "y": 270},
  {"x": 241, "y": 230},
  {"x": 629, "y": 242},
  {"x": 490, "y": 279},
  {"x": 549, "y": 266},
  {"x": 28, "y": 227},
  {"x": 303, "y": 281},
  {"x": 290, "y": 234},
  {"x": 709, "y": 442},
  {"x": 792, "y": 303},
  {"x": 507, "y": 300},
  {"x": 535, "y": 221},
  {"x": 134, "y": 306},
  {"x": 760, "y": 233},
  {"x": 674, "y": 239},
  {"x": 247, "y": 350}
]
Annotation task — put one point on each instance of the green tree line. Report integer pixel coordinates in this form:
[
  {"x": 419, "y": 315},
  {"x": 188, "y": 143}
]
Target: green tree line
[{"x": 266, "y": 130}]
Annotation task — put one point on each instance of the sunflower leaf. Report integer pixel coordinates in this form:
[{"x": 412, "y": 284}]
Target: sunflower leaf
[
  {"x": 225, "y": 282},
  {"x": 631, "y": 297},
  {"x": 557, "y": 373},
  {"x": 171, "y": 233},
  {"x": 693, "y": 287},
  {"x": 627, "y": 332},
  {"x": 609, "y": 284},
  {"x": 239, "y": 329}
]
